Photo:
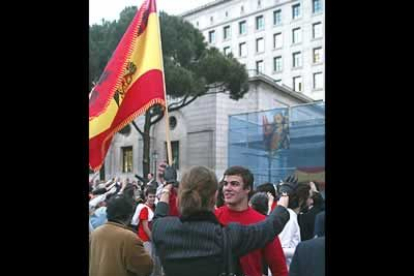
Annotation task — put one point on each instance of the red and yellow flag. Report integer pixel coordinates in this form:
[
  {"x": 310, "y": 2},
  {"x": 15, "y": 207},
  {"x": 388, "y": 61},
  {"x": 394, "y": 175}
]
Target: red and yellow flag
[{"x": 132, "y": 82}]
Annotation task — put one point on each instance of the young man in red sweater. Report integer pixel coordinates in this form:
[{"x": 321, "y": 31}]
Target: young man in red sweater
[{"x": 237, "y": 188}]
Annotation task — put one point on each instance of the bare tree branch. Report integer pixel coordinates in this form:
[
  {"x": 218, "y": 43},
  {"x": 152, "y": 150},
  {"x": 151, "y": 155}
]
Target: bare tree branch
[
  {"x": 137, "y": 128},
  {"x": 173, "y": 105},
  {"x": 217, "y": 92},
  {"x": 157, "y": 119},
  {"x": 183, "y": 103},
  {"x": 215, "y": 85}
]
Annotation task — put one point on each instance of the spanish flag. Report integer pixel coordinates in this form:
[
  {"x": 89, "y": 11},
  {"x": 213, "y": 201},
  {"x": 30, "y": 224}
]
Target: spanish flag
[{"x": 132, "y": 82}]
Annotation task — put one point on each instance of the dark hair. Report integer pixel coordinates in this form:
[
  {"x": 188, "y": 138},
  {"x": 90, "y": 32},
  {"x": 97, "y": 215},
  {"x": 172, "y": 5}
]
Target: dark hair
[
  {"x": 129, "y": 190},
  {"x": 317, "y": 185},
  {"x": 267, "y": 188},
  {"x": 120, "y": 208},
  {"x": 150, "y": 190},
  {"x": 317, "y": 200},
  {"x": 245, "y": 174},
  {"x": 299, "y": 196},
  {"x": 259, "y": 202},
  {"x": 220, "y": 195},
  {"x": 99, "y": 191},
  {"x": 196, "y": 191},
  {"x": 108, "y": 197}
]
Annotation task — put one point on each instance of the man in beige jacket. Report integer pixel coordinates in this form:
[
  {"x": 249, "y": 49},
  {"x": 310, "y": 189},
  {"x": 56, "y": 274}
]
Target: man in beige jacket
[{"x": 114, "y": 249}]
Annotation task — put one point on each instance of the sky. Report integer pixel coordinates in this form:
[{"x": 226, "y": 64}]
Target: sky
[{"x": 110, "y": 9}]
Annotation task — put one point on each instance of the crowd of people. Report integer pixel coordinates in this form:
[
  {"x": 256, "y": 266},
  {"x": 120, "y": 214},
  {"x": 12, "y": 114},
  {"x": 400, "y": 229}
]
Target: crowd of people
[{"x": 204, "y": 226}]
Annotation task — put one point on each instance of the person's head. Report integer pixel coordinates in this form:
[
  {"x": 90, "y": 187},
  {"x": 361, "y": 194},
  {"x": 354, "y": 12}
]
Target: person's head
[
  {"x": 120, "y": 208},
  {"x": 267, "y": 188},
  {"x": 131, "y": 191},
  {"x": 237, "y": 186},
  {"x": 197, "y": 191},
  {"x": 299, "y": 197},
  {"x": 150, "y": 195},
  {"x": 317, "y": 185},
  {"x": 317, "y": 200},
  {"x": 150, "y": 176},
  {"x": 99, "y": 191},
  {"x": 109, "y": 196},
  {"x": 259, "y": 202}
]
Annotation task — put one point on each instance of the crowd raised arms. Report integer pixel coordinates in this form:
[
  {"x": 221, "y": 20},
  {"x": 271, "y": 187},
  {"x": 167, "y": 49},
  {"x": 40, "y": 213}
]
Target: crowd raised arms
[{"x": 157, "y": 216}]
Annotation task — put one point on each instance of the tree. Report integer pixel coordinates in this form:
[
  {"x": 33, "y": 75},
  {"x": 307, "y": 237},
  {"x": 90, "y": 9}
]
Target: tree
[{"x": 192, "y": 69}]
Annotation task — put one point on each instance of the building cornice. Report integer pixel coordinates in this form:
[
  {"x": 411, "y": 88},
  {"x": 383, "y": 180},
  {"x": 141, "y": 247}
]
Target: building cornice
[{"x": 204, "y": 7}]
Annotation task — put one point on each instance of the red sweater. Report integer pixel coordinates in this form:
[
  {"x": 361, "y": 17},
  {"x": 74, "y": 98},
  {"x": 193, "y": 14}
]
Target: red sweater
[
  {"x": 173, "y": 204},
  {"x": 144, "y": 216},
  {"x": 251, "y": 263}
]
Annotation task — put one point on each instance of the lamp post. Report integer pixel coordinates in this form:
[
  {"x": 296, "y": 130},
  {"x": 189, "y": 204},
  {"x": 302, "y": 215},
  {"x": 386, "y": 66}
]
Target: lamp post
[{"x": 155, "y": 157}]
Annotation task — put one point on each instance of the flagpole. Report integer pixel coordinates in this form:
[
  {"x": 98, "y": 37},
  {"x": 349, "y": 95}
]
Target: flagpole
[{"x": 167, "y": 121}]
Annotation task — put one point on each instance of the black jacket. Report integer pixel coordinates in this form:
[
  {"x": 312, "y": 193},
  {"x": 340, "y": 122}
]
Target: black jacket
[
  {"x": 309, "y": 258},
  {"x": 306, "y": 223},
  {"x": 189, "y": 246}
]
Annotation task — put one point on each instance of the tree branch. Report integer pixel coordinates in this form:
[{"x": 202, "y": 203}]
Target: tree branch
[
  {"x": 217, "y": 85},
  {"x": 173, "y": 105},
  {"x": 183, "y": 103},
  {"x": 159, "y": 118},
  {"x": 137, "y": 128},
  {"x": 217, "y": 92}
]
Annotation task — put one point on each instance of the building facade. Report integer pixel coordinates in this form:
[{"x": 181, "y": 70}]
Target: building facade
[
  {"x": 199, "y": 131},
  {"x": 282, "y": 39},
  {"x": 281, "y": 42}
]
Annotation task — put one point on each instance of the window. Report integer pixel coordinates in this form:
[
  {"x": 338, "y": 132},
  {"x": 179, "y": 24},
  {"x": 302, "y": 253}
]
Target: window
[
  {"x": 211, "y": 36},
  {"x": 241, "y": 9},
  {"x": 259, "y": 66},
  {"x": 211, "y": 20},
  {"x": 259, "y": 22},
  {"x": 277, "y": 40},
  {"x": 316, "y": 6},
  {"x": 197, "y": 24},
  {"x": 317, "y": 30},
  {"x": 277, "y": 64},
  {"x": 172, "y": 122},
  {"x": 259, "y": 45},
  {"x": 296, "y": 36},
  {"x": 295, "y": 11},
  {"x": 317, "y": 55},
  {"x": 297, "y": 84},
  {"x": 175, "y": 150},
  {"x": 259, "y": 3},
  {"x": 127, "y": 159},
  {"x": 226, "y": 32},
  {"x": 297, "y": 59},
  {"x": 317, "y": 80},
  {"x": 242, "y": 27},
  {"x": 242, "y": 49},
  {"x": 277, "y": 17},
  {"x": 227, "y": 50},
  {"x": 227, "y": 14}
]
